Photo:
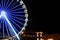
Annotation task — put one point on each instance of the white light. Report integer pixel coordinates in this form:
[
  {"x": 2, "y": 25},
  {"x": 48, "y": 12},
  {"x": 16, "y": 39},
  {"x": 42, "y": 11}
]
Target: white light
[
  {"x": 21, "y": 2},
  {"x": 26, "y": 20},
  {"x": 3, "y": 13},
  {"x": 26, "y": 15},
  {"x": 37, "y": 38},
  {"x": 23, "y": 6},
  {"x": 25, "y": 10},
  {"x": 17, "y": 0},
  {"x": 0, "y": 16}
]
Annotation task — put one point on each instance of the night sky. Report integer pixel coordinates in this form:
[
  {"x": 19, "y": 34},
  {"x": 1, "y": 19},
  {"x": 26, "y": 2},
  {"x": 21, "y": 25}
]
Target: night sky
[{"x": 43, "y": 16}]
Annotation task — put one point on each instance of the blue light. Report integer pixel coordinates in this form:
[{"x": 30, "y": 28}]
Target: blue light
[
  {"x": 12, "y": 27},
  {"x": 13, "y": 17},
  {"x": 0, "y": 16},
  {"x": 3, "y": 15}
]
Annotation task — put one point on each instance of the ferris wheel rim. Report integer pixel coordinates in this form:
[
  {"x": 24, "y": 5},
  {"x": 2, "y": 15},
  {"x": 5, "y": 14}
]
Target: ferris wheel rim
[
  {"x": 26, "y": 13},
  {"x": 26, "y": 17}
]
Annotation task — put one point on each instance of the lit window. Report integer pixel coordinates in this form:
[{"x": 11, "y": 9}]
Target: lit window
[
  {"x": 37, "y": 38},
  {"x": 41, "y": 39},
  {"x": 50, "y": 39}
]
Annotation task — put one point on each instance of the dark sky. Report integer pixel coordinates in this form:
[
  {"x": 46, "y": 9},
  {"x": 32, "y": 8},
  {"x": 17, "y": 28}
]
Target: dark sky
[{"x": 43, "y": 16}]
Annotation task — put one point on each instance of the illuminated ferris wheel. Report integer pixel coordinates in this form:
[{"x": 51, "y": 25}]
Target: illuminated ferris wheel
[{"x": 13, "y": 18}]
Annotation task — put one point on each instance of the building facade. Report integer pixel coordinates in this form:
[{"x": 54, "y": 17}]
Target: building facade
[{"x": 36, "y": 36}]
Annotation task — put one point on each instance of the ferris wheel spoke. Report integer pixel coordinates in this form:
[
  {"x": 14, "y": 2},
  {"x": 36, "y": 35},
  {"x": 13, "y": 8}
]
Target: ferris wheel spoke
[
  {"x": 18, "y": 18},
  {"x": 14, "y": 15},
  {"x": 7, "y": 3},
  {"x": 15, "y": 6},
  {"x": 0, "y": 24},
  {"x": 14, "y": 26},
  {"x": 11, "y": 32},
  {"x": 7, "y": 29},
  {"x": 11, "y": 27},
  {"x": 19, "y": 12},
  {"x": 18, "y": 21},
  {"x": 15, "y": 29},
  {"x": 3, "y": 30},
  {"x": 10, "y": 3},
  {"x": 17, "y": 9},
  {"x": 1, "y": 3},
  {"x": 4, "y": 3},
  {"x": 12, "y": 21}
]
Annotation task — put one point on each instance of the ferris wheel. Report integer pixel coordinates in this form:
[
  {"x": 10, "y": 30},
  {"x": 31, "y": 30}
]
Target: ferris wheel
[{"x": 13, "y": 18}]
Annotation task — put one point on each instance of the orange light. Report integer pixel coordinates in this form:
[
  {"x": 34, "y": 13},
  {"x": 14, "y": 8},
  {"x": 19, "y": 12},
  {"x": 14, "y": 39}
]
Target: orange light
[
  {"x": 50, "y": 39},
  {"x": 41, "y": 39},
  {"x": 41, "y": 33},
  {"x": 22, "y": 32}
]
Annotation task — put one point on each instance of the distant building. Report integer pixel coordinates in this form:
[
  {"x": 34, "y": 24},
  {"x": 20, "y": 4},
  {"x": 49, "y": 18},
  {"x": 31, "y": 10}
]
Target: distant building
[
  {"x": 37, "y": 36},
  {"x": 51, "y": 37}
]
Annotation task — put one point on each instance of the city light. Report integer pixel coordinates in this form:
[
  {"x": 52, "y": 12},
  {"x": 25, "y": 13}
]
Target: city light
[
  {"x": 41, "y": 39},
  {"x": 50, "y": 39}
]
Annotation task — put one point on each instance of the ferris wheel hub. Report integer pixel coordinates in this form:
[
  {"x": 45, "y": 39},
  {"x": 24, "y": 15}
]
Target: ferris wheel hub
[{"x": 3, "y": 13}]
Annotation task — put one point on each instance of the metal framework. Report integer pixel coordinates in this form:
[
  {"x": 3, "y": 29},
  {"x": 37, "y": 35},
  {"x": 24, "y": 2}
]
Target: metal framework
[{"x": 13, "y": 18}]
